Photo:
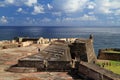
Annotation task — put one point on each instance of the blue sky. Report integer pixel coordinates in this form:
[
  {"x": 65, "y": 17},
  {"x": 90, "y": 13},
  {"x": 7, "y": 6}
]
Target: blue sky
[{"x": 60, "y": 12}]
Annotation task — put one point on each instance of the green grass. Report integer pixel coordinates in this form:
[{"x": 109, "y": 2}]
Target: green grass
[
  {"x": 114, "y": 67},
  {"x": 111, "y": 51}
]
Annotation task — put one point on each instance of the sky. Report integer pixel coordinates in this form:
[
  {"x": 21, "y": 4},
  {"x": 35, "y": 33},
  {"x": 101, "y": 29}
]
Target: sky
[{"x": 59, "y": 13}]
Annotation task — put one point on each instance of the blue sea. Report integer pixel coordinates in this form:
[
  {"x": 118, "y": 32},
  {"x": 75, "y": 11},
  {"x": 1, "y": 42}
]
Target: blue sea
[{"x": 103, "y": 37}]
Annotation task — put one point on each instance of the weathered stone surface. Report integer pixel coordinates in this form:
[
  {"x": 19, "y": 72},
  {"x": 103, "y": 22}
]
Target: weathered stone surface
[
  {"x": 56, "y": 57},
  {"x": 96, "y": 73},
  {"x": 13, "y": 54},
  {"x": 22, "y": 69},
  {"x": 30, "y": 78},
  {"x": 109, "y": 55},
  {"x": 83, "y": 50}
]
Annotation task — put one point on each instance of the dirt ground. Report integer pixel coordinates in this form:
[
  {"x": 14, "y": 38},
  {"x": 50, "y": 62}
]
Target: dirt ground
[{"x": 10, "y": 57}]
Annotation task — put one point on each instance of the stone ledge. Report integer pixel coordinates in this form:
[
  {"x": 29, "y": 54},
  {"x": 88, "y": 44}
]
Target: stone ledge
[{"x": 22, "y": 69}]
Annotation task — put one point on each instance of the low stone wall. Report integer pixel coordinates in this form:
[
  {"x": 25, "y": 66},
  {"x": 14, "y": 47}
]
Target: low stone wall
[
  {"x": 22, "y": 69},
  {"x": 109, "y": 56},
  {"x": 52, "y": 65},
  {"x": 89, "y": 71},
  {"x": 5, "y": 46},
  {"x": 27, "y": 43},
  {"x": 96, "y": 73},
  {"x": 42, "y": 40}
]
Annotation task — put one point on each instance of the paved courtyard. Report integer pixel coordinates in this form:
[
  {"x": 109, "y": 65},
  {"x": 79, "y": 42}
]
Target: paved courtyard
[{"x": 9, "y": 57}]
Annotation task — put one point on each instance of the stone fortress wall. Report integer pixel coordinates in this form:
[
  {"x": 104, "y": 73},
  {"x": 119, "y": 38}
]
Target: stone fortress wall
[
  {"x": 56, "y": 56},
  {"x": 26, "y": 41},
  {"x": 82, "y": 51},
  {"x": 95, "y": 72},
  {"x": 42, "y": 40},
  {"x": 8, "y": 44},
  {"x": 109, "y": 54}
]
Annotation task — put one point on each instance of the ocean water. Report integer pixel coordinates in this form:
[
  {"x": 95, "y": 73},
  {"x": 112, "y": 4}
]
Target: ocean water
[{"x": 103, "y": 37}]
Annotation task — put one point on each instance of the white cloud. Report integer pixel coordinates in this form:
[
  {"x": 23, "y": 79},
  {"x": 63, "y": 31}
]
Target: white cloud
[
  {"x": 110, "y": 18},
  {"x": 56, "y": 13},
  {"x": 85, "y": 17},
  {"x": 91, "y": 5},
  {"x": 105, "y": 10},
  {"x": 2, "y": 5},
  {"x": 9, "y": 1},
  {"x": 30, "y": 2},
  {"x": 58, "y": 20},
  {"x": 3, "y": 20},
  {"x": 117, "y": 12},
  {"x": 49, "y": 6},
  {"x": 19, "y": 10},
  {"x": 91, "y": 13},
  {"x": 46, "y": 20},
  {"x": 107, "y": 6},
  {"x": 69, "y": 6},
  {"x": 38, "y": 9},
  {"x": 28, "y": 18},
  {"x": 74, "y": 5},
  {"x": 19, "y": 2}
]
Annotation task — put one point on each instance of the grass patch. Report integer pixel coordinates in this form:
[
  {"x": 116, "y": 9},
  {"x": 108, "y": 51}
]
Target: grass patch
[
  {"x": 113, "y": 66},
  {"x": 112, "y": 51}
]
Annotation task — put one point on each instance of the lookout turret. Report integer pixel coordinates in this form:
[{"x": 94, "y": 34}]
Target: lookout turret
[{"x": 91, "y": 36}]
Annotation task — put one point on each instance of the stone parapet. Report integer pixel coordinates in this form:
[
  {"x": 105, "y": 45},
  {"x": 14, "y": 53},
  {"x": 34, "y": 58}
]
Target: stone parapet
[
  {"x": 109, "y": 54},
  {"x": 96, "y": 73}
]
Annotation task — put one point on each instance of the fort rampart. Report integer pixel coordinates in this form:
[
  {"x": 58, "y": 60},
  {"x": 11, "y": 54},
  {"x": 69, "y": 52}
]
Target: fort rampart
[
  {"x": 51, "y": 66},
  {"x": 42, "y": 40},
  {"x": 95, "y": 72},
  {"x": 81, "y": 48},
  {"x": 8, "y": 44},
  {"x": 88, "y": 70},
  {"x": 109, "y": 54}
]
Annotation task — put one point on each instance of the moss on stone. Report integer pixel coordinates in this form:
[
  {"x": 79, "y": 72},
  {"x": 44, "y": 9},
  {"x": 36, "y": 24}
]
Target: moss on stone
[{"x": 112, "y": 51}]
